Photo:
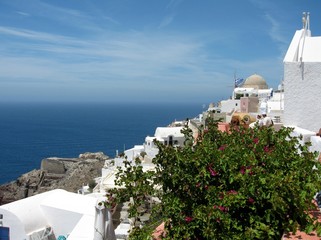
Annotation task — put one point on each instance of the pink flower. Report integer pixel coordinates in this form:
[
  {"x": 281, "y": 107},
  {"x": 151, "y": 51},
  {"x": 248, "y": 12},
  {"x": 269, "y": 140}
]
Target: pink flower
[
  {"x": 250, "y": 200},
  {"x": 221, "y": 208},
  {"x": 250, "y": 172},
  {"x": 256, "y": 140},
  {"x": 212, "y": 171},
  {"x": 188, "y": 219},
  {"x": 232, "y": 192},
  {"x": 244, "y": 169},
  {"x": 266, "y": 149},
  {"x": 198, "y": 185},
  {"x": 221, "y": 148}
]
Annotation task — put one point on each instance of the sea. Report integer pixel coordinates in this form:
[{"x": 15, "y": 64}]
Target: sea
[{"x": 30, "y": 132}]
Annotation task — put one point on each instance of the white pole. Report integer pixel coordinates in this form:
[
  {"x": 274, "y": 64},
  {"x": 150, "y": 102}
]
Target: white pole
[
  {"x": 104, "y": 228},
  {"x": 100, "y": 219},
  {"x": 109, "y": 230}
]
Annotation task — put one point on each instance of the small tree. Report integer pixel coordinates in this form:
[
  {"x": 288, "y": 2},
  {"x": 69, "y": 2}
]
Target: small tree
[
  {"x": 246, "y": 184},
  {"x": 92, "y": 184},
  {"x": 143, "y": 154}
]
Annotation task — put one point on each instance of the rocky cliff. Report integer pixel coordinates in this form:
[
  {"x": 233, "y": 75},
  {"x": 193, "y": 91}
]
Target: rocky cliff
[{"x": 64, "y": 173}]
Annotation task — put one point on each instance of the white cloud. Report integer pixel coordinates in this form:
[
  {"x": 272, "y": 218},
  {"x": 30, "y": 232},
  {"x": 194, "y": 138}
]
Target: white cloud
[
  {"x": 174, "y": 3},
  {"x": 23, "y": 13},
  {"x": 123, "y": 56},
  {"x": 169, "y": 18},
  {"x": 112, "y": 20},
  {"x": 82, "y": 16},
  {"x": 275, "y": 31},
  {"x": 130, "y": 59},
  {"x": 146, "y": 63},
  {"x": 278, "y": 36},
  {"x": 273, "y": 13},
  {"x": 166, "y": 21},
  {"x": 37, "y": 36}
]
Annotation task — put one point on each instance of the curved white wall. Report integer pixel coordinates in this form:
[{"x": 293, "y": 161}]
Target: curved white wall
[
  {"x": 16, "y": 227},
  {"x": 27, "y": 212},
  {"x": 61, "y": 210}
]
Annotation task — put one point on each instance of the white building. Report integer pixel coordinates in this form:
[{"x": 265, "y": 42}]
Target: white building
[
  {"x": 253, "y": 97},
  {"x": 55, "y": 214},
  {"x": 302, "y": 80},
  {"x": 170, "y": 136},
  {"x": 276, "y": 102},
  {"x": 134, "y": 152}
]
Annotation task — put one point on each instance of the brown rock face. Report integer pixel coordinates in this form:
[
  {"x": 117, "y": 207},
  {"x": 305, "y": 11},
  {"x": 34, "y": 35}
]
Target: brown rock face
[{"x": 55, "y": 173}]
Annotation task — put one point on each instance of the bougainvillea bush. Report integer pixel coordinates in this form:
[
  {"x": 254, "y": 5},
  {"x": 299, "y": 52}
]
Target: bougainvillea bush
[{"x": 246, "y": 184}]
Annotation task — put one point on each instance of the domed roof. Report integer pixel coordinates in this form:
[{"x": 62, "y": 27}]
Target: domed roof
[{"x": 255, "y": 81}]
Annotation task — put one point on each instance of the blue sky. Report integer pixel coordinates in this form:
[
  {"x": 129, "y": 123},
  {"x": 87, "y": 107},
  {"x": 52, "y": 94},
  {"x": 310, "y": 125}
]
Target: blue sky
[{"x": 143, "y": 50}]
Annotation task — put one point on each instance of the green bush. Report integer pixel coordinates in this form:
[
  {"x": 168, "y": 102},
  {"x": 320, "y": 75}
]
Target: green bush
[
  {"x": 143, "y": 154},
  {"x": 92, "y": 184},
  {"x": 246, "y": 184}
]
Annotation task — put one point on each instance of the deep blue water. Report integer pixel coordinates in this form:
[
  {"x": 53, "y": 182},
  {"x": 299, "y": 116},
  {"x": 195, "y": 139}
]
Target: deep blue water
[{"x": 30, "y": 132}]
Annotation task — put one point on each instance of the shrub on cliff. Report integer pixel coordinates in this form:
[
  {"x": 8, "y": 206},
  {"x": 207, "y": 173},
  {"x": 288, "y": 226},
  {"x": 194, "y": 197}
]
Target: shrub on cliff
[
  {"x": 92, "y": 184},
  {"x": 247, "y": 184}
]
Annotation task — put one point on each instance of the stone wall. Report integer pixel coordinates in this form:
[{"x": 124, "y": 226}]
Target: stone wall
[{"x": 53, "y": 165}]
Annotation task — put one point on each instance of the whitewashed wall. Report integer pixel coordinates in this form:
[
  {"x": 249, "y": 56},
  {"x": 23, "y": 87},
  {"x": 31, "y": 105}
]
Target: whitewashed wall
[
  {"x": 230, "y": 104},
  {"x": 302, "y": 95},
  {"x": 276, "y": 103}
]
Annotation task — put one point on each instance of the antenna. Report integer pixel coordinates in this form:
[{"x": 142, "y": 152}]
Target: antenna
[
  {"x": 306, "y": 21},
  {"x": 306, "y": 27}
]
